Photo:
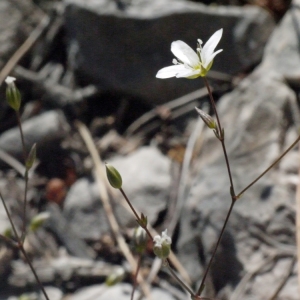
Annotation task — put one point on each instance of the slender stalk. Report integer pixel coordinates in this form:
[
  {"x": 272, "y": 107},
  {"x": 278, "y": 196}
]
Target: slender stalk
[
  {"x": 22, "y": 135},
  {"x": 233, "y": 197},
  {"x": 135, "y": 213},
  {"x": 184, "y": 286},
  {"x": 21, "y": 248},
  {"x": 269, "y": 168},
  {"x": 222, "y": 140},
  {"x": 167, "y": 262},
  {"x": 25, "y": 207},
  {"x": 216, "y": 248},
  {"x": 25, "y": 176}
]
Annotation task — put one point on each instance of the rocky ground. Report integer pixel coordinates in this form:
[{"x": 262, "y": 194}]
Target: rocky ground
[{"x": 86, "y": 70}]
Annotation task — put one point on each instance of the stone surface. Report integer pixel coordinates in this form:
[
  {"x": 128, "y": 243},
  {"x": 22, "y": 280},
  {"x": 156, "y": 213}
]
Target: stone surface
[
  {"x": 44, "y": 129},
  {"x": 83, "y": 210},
  {"x": 146, "y": 181},
  {"x": 67, "y": 233},
  {"x": 123, "y": 50},
  {"x": 119, "y": 291}
]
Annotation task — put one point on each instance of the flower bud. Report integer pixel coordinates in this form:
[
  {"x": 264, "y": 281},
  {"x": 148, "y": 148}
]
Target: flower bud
[
  {"x": 13, "y": 95},
  {"x": 113, "y": 176},
  {"x": 38, "y": 220},
  {"x": 31, "y": 157},
  {"x": 116, "y": 277},
  {"x": 140, "y": 239},
  {"x": 207, "y": 119},
  {"x": 162, "y": 245}
]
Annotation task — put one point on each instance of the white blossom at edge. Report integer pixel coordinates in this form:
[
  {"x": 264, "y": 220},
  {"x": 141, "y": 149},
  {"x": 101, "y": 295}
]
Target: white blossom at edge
[{"x": 191, "y": 64}]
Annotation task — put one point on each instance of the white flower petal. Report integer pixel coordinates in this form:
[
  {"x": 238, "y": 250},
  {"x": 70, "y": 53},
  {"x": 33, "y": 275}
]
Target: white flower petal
[
  {"x": 171, "y": 71},
  {"x": 189, "y": 73},
  {"x": 210, "y": 58},
  {"x": 210, "y": 46},
  {"x": 185, "y": 53},
  {"x": 9, "y": 80}
]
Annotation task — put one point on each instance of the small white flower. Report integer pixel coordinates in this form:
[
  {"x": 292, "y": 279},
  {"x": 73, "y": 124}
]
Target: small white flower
[
  {"x": 10, "y": 80},
  {"x": 162, "y": 245},
  {"x": 191, "y": 64}
]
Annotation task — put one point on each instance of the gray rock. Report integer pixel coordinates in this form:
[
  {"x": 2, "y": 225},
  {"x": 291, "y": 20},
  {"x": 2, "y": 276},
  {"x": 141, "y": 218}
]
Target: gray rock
[
  {"x": 44, "y": 129},
  {"x": 258, "y": 117},
  {"x": 13, "y": 20},
  {"x": 123, "y": 50},
  {"x": 66, "y": 233},
  {"x": 282, "y": 51},
  {"x": 119, "y": 291},
  {"x": 84, "y": 212},
  {"x": 146, "y": 181}
]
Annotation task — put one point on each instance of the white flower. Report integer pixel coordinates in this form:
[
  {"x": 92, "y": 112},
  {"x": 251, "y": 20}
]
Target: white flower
[
  {"x": 191, "y": 64},
  {"x": 10, "y": 80},
  {"x": 162, "y": 245}
]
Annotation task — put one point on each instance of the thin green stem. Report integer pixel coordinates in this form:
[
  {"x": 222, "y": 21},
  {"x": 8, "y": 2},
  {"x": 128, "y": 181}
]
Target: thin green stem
[
  {"x": 26, "y": 175},
  {"x": 22, "y": 135},
  {"x": 9, "y": 218},
  {"x": 222, "y": 139},
  {"x": 25, "y": 207},
  {"x": 21, "y": 248},
  {"x": 184, "y": 286},
  {"x": 135, "y": 213},
  {"x": 34, "y": 272},
  {"x": 151, "y": 237},
  {"x": 269, "y": 168},
  {"x": 216, "y": 248}
]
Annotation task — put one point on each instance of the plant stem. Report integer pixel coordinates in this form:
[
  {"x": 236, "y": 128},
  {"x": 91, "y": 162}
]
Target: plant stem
[
  {"x": 216, "y": 248},
  {"x": 184, "y": 286},
  {"x": 222, "y": 139},
  {"x": 233, "y": 197},
  {"x": 21, "y": 248},
  {"x": 135, "y": 213},
  {"x": 22, "y": 135},
  {"x": 25, "y": 206},
  {"x": 167, "y": 262},
  {"x": 269, "y": 168},
  {"x": 25, "y": 175}
]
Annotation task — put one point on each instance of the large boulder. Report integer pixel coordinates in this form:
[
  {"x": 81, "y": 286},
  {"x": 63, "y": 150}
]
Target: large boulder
[{"x": 122, "y": 50}]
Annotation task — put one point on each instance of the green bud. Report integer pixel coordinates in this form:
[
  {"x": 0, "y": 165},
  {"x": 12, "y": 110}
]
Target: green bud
[
  {"x": 162, "y": 245},
  {"x": 38, "y": 220},
  {"x": 13, "y": 95},
  {"x": 140, "y": 239},
  {"x": 31, "y": 157},
  {"x": 113, "y": 176},
  {"x": 116, "y": 277},
  {"x": 207, "y": 119}
]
